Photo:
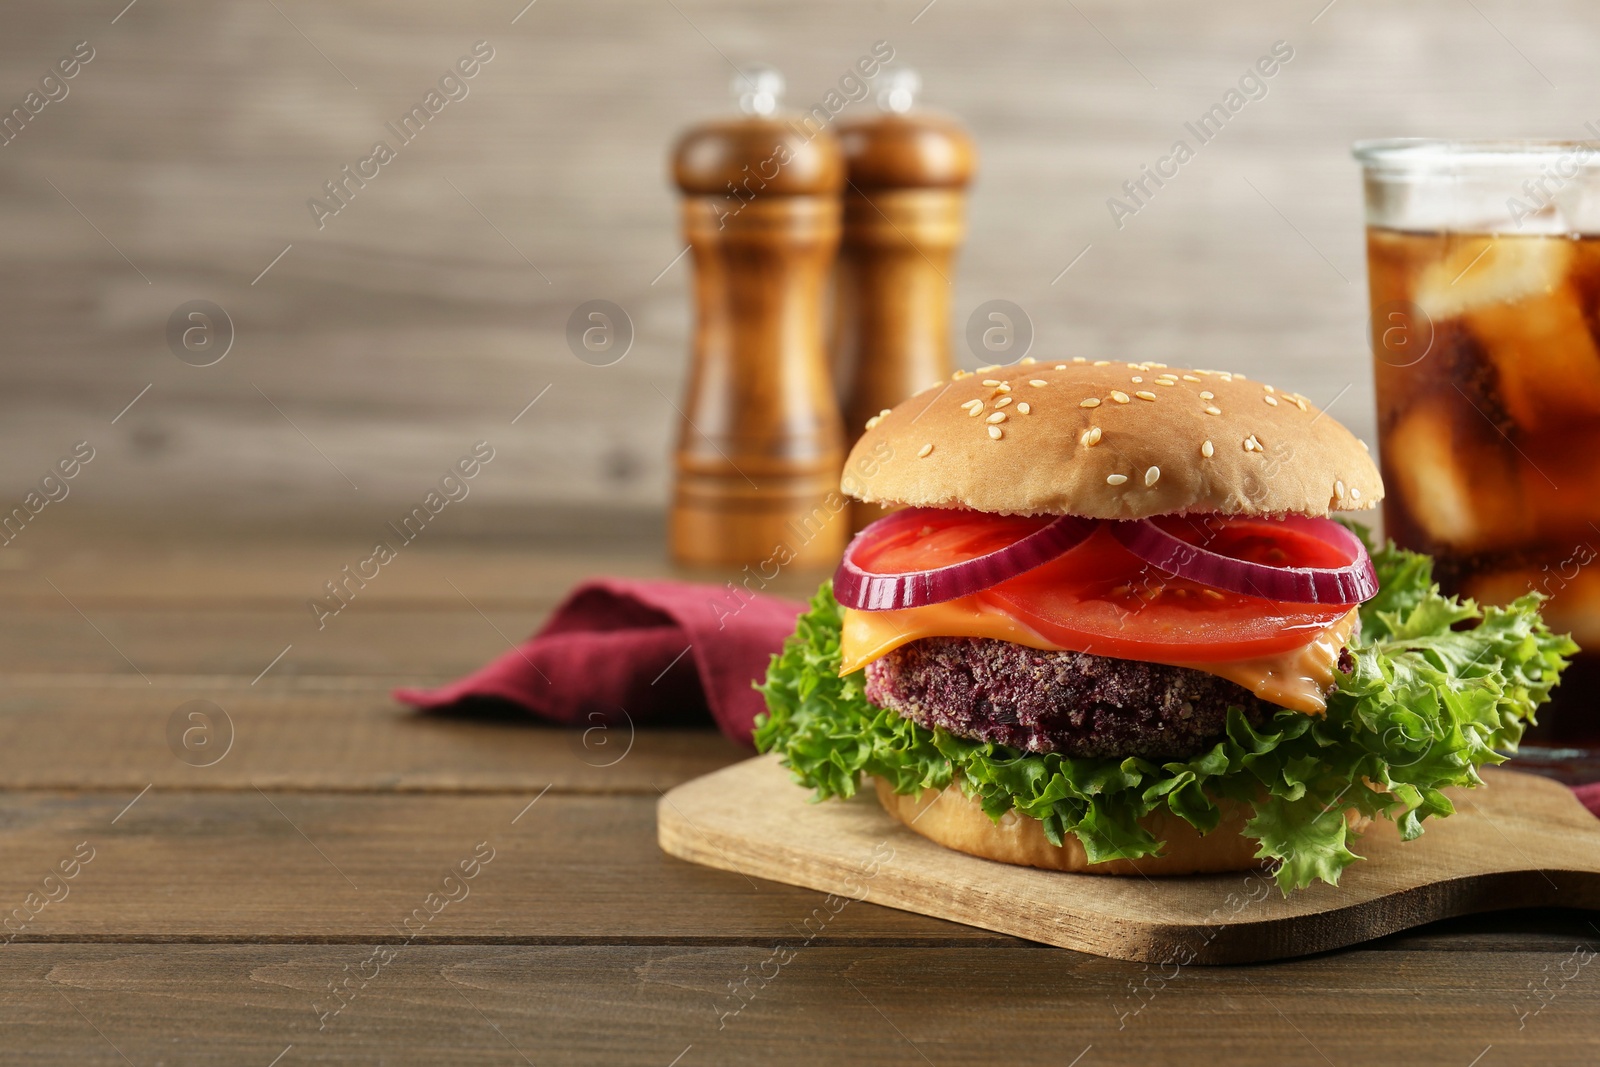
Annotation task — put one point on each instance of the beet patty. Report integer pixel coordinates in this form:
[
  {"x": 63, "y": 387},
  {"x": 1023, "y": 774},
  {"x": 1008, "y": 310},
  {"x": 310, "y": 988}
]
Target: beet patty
[{"x": 1068, "y": 702}]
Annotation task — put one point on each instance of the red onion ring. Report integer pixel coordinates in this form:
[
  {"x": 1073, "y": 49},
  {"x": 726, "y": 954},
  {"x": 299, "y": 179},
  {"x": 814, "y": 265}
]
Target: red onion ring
[
  {"x": 855, "y": 587},
  {"x": 1351, "y": 584}
]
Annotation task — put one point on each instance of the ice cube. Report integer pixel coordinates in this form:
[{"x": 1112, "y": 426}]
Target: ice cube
[
  {"x": 1462, "y": 489},
  {"x": 1547, "y": 367},
  {"x": 1483, "y": 271}
]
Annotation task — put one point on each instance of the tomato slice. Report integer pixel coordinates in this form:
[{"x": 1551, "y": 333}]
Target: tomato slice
[
  {"x": 1255, "y": 540},
  {"x": 929, "y": 538},
  {"x": 1101, "y": 599}
]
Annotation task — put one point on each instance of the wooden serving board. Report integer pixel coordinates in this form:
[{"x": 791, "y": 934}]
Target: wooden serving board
[{"x": 1523, "y": 841}]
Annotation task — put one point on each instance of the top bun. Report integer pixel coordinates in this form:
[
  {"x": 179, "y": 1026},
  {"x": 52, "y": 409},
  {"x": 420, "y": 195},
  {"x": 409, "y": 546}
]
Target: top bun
[{"x": 1111, "y": 440}]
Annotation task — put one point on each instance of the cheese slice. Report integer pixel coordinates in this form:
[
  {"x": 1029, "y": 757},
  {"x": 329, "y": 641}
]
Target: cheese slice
[{"x": 1297, "y": 679}]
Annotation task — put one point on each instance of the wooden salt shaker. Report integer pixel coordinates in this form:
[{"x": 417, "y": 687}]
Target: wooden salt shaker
[
  {"x": 760, "y": 445},
  {"x": 904, "y": 219}
]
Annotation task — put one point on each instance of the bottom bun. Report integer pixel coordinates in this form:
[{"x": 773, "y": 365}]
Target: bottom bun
[{"x": 954, "y": 820}]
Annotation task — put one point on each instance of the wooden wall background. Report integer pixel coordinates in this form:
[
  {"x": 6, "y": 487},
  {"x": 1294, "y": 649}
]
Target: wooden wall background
[{"x": 409, "y": 328}]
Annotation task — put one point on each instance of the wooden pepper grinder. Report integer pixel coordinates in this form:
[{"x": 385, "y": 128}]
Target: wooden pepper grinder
[
  {"x": 904, "y": 219},
  {"x": 761, "y": 443}
]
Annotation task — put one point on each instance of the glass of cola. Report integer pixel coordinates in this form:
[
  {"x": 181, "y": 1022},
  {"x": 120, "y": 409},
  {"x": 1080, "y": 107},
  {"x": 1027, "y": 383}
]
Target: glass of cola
[{"x": 1483, "y": 264}]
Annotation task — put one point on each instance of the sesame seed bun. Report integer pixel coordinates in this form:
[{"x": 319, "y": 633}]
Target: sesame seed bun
[{"x": 1111, "y": 440}]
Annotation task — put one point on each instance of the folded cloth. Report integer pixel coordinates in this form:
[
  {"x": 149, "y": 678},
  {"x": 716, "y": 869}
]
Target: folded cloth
[
  {"x": 1590, "y": 795},
  {"x": 644, "y": 651},
  {"x": 651, "y": 651}
]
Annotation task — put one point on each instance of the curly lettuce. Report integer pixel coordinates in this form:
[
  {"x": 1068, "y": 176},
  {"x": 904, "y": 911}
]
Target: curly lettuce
[{"x": 1439, "y": 688}]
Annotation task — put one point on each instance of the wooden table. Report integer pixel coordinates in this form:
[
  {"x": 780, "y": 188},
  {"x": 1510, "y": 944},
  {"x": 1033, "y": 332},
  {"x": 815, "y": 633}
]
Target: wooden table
[{"x": 223, "y": 904}]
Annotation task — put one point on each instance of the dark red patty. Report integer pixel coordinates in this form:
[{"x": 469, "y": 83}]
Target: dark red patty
[{"x": 1067, "y": 702}]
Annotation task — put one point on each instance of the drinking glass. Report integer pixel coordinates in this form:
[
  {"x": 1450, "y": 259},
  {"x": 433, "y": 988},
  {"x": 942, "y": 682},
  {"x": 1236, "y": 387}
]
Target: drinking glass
[{"x": 1483, "y": 262}]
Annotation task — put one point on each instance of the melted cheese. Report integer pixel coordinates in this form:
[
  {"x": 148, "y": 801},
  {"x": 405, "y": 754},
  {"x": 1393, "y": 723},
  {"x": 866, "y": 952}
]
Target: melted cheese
[{"x": 1296, "y": 679}]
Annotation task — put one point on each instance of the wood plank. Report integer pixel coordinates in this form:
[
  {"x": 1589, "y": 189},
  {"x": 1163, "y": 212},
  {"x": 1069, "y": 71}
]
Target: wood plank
[
  {"x": 215, "y": 606},
  {"x": 184, "y": 865},
  {"x": 1500, "y": 931},
  {"x": 97, "y": 560},
  {"x": 285, "y": 737},
  {"x": 189, "y": 866},
  {"x": 1521, "y": 841},
  {"x": 411, "y": 646},
  {"x": 501, "y": 556},
  {"x": 406, "y": 645},
  {"x": 69, "y": 1004}
]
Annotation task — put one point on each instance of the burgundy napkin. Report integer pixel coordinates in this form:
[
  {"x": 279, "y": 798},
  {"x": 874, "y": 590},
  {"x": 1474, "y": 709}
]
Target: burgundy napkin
[
  {"x": 651, "y": 651},
  {"x": 644, "y": 650},
  {"x": 1590, "y": 795}
]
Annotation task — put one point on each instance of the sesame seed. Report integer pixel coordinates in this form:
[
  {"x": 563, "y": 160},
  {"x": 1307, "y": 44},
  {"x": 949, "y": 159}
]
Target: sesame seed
[
  {"x": 960, "y": 374},
  {"x": 1119, "y": 396},
  {"x": 998, "y": 416},
  {"x": 1063, "y": 366},
  {"x": 1190, "y": 378},
  {"x": 1338, "y": 489},
  {"x": 872, "y": 422},
  {"x": 1269, "y": 388},
  {"x": 1137, "y": 380},
  {"x": 975, "y": 411},
  {"x": 1207, "y": 449},
  {"x": 1145, "y": 394},
  {"x": 1003, "y": 387},
  {"x": 1090, "y": 437},
  {"x": 1300, "y": 402},
  {"x": 1213, "y": 411},
  {"x": 1091, "y": 402},
  {"x": 1165, "y": 381},
  {"x": 990, "y": 367},
  {"x": 1355, "y": 494},
  {"x": 1271, "y": 400},
  {"x": 991, "y": 382},
  {"x": 1136, "y": 366},
  {"x": 1038, "y": 383},
  {"x": 1166, "y": 374},
  {"x": 996, "y": 433},
  {"x": 882, "y": 413},
  {"x": 1161, "y": 365},
  {"x": 1152, "y": 476},
  {"x": 1027, "y": 359},
  {"x": 1102, "y": 363},
  {"x": 922, "y": 453},
  {"x": 1002, "y": 402},
  {"x": 1078, "y": 359},
  {"x": 1363, "y": 445},
  {"x": 1116, "y": 479},
  {"x": 1024, "y": 408},
  {"x": 1206, "y": 394},
  {"x": 1212, "y": 593}
]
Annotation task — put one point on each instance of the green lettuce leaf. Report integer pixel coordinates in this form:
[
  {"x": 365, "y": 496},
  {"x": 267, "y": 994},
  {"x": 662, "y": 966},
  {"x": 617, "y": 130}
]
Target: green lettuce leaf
[{"x": 1438, "y": 688}]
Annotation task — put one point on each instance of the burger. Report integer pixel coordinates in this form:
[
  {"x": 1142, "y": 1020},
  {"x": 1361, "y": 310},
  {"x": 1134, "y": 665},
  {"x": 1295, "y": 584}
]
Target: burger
[{"x": 1111, "y": 626}]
